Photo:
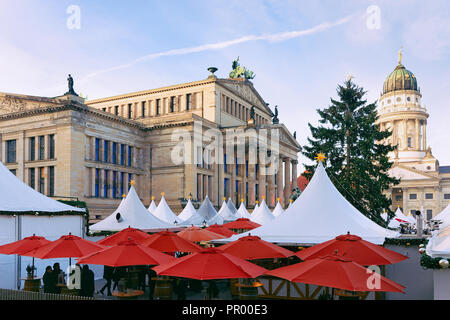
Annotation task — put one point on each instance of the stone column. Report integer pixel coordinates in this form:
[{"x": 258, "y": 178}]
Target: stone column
[
  {"x": 261, "y": 185},
  {"x": 424, "y": 135},
  {"x": 405, "y": 200},
  {"x": 110, "y": 182},
  {"x": 417, "y": 142},
  {"x": 92, "y": 181},
  {"x": 233, "y": 181},
  {"x": 287, "y": 180},
  {"x": 251, "y": 185},
  {"x": 271, "y": 194},
  {"x": 280, "y": 180},
  {"x": 294, "y": 173}
]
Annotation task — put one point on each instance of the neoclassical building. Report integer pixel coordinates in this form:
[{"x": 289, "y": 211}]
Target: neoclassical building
[
  {"x": 425, "y": 185},
  {"x": 91, "y": 150}
]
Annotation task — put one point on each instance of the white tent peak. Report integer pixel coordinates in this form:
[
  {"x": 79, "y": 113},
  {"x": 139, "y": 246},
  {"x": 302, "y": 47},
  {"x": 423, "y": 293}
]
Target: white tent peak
[
  {"x": 278, "y": 209},
  {"x": 206, "y": 213},
  {"x": 188, "y": 211},
  {"x": 16, "y": 196},
  {"x": 226, "y": 213},
  {"x": 262, "y": 214},
  {"x": 131, "y": 212},
  {"x": 163, "y": 212},
  {"x": 319, "y": 214},
  {"x": 243, "y": 212},
  {"x": 231, "y": 206},
  {"x": 152, "y": 207}
]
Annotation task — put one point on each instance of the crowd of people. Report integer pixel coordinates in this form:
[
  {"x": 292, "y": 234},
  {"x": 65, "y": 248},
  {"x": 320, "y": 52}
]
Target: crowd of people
[{"x": 54, "y": 280}]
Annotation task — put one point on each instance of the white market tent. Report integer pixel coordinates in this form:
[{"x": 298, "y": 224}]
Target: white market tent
[
  {"x": 256, "y": 207},
  {"x": 226, "y": 213},
  {"x": 242, "y": 211},
  {"x": 262, "y": 214},
  {"x": 152, "y": 207},
  {"x": 439, "y": 244},
  {"x": 131, "y": 213},
  {"x": 231, "y": 206},
  {"x": 444, "y": 217},
  {"x": 394, "y": 223},
  {"x": 206, "y": 213},
  {"x": 188, "y": 211},
  {"x": 384, "y": 216},
  {"x": 278, "y": 210},
  {"x": 320, "y": 214},
  {"x": 164, "y": 213},
  {"x": 16, "y": 196}
]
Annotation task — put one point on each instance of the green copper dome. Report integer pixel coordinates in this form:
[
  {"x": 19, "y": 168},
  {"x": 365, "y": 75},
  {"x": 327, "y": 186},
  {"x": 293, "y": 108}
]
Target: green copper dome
[{"x": 400, "y": 79}]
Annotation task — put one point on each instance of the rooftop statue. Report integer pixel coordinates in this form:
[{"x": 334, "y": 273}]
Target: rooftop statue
[
  {"x": 275, "y": 119},
  {"x": 239, "y": 72},
  {"x": 70, "y": 84}
]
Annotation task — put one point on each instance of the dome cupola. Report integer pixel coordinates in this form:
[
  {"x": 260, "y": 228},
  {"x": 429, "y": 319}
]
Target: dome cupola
[{"x": 400, "y": 79}]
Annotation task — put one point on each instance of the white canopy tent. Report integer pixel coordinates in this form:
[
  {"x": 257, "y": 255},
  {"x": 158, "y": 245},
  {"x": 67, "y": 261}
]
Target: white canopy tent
[
  {"x": 206, "y": 213},
  {"x": 439, "y": 244},
  {"x": 164, "y": 213},
  {"x": 278, "y": 209},
  {"x": 444, "y": 217},
  {"x": 242, "y": 211},
  {"x": 226, "y": 213},
  {"x": 131, "y": 213},
  {"x": 231, "y": 206},
  {"x": 256, "y": 207},
  {"x": 394, "y": 223},
  {"x": 188, "y": 211},
  {"x": 152, "y": 207},
  {"x": 320, "y": 214},
  {"x": 262, "y": 214}
]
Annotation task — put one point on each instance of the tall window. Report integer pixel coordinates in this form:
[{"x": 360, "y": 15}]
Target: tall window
[
  {"x": 41, "y": 147},
  {"x": 246, "y": 169},
  {"x": 114, "y": 152},
  {"x": 41, "y": 181},
  {"x": 256, "y": 170},
  {"x": 172, "y": 104},
  {"x": 257, "y": 192},
  {"x": 11, "y": 151},
  {"x": 32, "y": 177},
  {"x": 122, "y": 154},
  {"x": 225, "y": 169},
  {"x": 412, "y": 196},
  {"x": 158, "y": 106},
  {"x": 32, "y": 147},
  {"x": 105, "y": 185},
  {"x": 97, "y": 183},
  {"x": 130, "y": 156},
  {"x": 122, "y": 180},
  {"x": 429, "y": 214},
  {"x": 114, "y": 184},
  {"x": 188, "y": 101},
  {"x": 97, "y": 149},
  {"x": 226, "y": 183},
  {"x": 51, "y": 180},
  {"x": 106, "y": 151},
  {"x": 116, "y": 110},
  {"x": 129, "y": 111},
  {"x": 409, "y": 142},
  {"x": 51, "y": 146},
  {"x": 143, "y": 109},
  {"x": 236, "y": 165}
]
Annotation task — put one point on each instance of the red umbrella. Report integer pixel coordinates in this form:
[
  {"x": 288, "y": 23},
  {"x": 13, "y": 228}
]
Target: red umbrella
[
  {"x": 196, "y": 234},
  {"x": 125, "y": 234},
  {"x": 220, "y": 230},
  {"x": 252, "y": 247},
  {"x": 242, "y": 224},
  {"x": 25, "y": 245},
  {"x": 210, "y": 264},
  {"x": 126, "y": 253},
  {"x": 68, "y": 246},
  {"x": 166, "y": 241},
  {"x": 335, "y": 272},
  {"x": 355, "y": 249}
]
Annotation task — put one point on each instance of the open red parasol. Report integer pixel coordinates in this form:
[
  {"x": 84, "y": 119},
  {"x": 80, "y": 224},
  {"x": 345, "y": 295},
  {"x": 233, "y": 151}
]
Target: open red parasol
[
  {"x": 353, "y": 248},
  {"x": 210, "y": 264},
  {"x": 125, "y": 234},
  {"x": 126, "y": 253},
  {"x": 252, "y": 247},
  {"x": 166, "y": 241},
  {"x": 336, "y": 272},
  {"x": 196, "y": 234},
  {"x": 23, "y": 246},
  {"x": 216, "y": 228},
  {"x": 242, "y": 224}
]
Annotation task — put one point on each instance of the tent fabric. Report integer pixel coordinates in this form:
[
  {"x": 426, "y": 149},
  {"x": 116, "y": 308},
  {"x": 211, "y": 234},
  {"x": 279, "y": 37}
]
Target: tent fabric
[
  {"x": 16, "y": 196},
  {"x": 439, "y": 244},
  {"x": 444, "y": 217},
  {"x": 278, "y": 210},
  {"x": 164, "y": 213},
  {"x": 206, "y": 213},
  {"x": 188, "y": 211},
  {"x": 132, "y": 214},
  {"x": 231, "y": 206},
  {"x": 242, "y": 211},
  {"x": 394, "y": 223},
  {"x": 320, "y": 214},
  {"x": 152, "y": 207},
  {"x": 262, "y": 215},
  {"x": 226, "y": 213}
]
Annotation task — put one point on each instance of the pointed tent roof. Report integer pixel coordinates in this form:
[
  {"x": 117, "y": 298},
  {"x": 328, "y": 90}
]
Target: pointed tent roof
[
  {"x": 278, "y": 209},
  {"x": 444, "y": 216},
  {"x": 16, "y": 196},
  {"x": 256, "y": 207},
  {"x": 262, "y": 215},
  {"x": 207, "y": 213},
  {"x": 231, "y": 206},
  {"x": 226, "y": 213},
  {"x": 243, "y": 212},
  {"x": 394, "y": 223},
  {"x": 132, "y": 214},
  {"x": 188, "y": 211},
  {"x": 164, "y": 212},
  {"x": 439, "y": 244},
  {"x": 320, "y": 214},
  {"x": 152, "y": 207}
]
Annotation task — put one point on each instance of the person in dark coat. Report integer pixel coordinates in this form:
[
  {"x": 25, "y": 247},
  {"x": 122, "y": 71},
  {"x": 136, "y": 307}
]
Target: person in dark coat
[
  {"x": 56, "y": 273},
  {"x": 118, "y": 273},
  {"x": 108, "y": 273},
  {"x": 87, "y": 282},
  {"x": 180, "y": 287},
  {"x": 151, "y": 283},
  {"x": 49, "y": 281}
]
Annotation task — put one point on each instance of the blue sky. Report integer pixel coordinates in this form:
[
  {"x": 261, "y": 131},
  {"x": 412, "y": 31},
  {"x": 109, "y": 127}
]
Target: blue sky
[{"x": 123, "y": 47}]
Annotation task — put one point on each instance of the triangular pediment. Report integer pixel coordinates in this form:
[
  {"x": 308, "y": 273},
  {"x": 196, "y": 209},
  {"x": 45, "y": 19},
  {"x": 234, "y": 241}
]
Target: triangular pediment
[
  {"x": 405, "y": 173},
  {"x": 246, "y": 91}
]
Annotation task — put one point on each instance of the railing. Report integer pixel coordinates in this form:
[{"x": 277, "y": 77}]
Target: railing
[{"x": 7, "y": 294}]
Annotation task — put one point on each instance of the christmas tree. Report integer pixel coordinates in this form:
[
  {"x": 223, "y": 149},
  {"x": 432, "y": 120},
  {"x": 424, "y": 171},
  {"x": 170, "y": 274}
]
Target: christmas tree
[{"x": 357, "y": 160}]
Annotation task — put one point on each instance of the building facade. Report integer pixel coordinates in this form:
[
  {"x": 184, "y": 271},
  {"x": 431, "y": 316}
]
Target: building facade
[
  {"x": 425, "y": 185},
  {"x": 67, "y": 147}
]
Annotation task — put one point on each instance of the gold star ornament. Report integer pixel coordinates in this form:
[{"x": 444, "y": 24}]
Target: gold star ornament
[{"x": 320, "y": 157}]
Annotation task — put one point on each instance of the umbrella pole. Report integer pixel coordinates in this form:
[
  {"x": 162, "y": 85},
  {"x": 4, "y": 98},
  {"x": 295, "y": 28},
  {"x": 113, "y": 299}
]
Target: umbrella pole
[{"x": 32, "y": 270}]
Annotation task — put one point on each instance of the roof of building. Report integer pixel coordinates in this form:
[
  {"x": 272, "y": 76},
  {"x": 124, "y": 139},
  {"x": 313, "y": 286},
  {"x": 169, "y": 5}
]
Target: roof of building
[{"x": 400, "y": 79}]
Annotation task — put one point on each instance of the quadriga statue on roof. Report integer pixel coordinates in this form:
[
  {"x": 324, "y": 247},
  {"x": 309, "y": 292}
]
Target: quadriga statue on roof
[{"x": 239, "y": 72}]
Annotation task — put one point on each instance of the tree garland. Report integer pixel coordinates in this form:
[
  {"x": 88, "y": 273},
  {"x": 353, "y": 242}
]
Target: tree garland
[
  {"x": 406, "y": 242},
  {"x": 428, "y": 262}
]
